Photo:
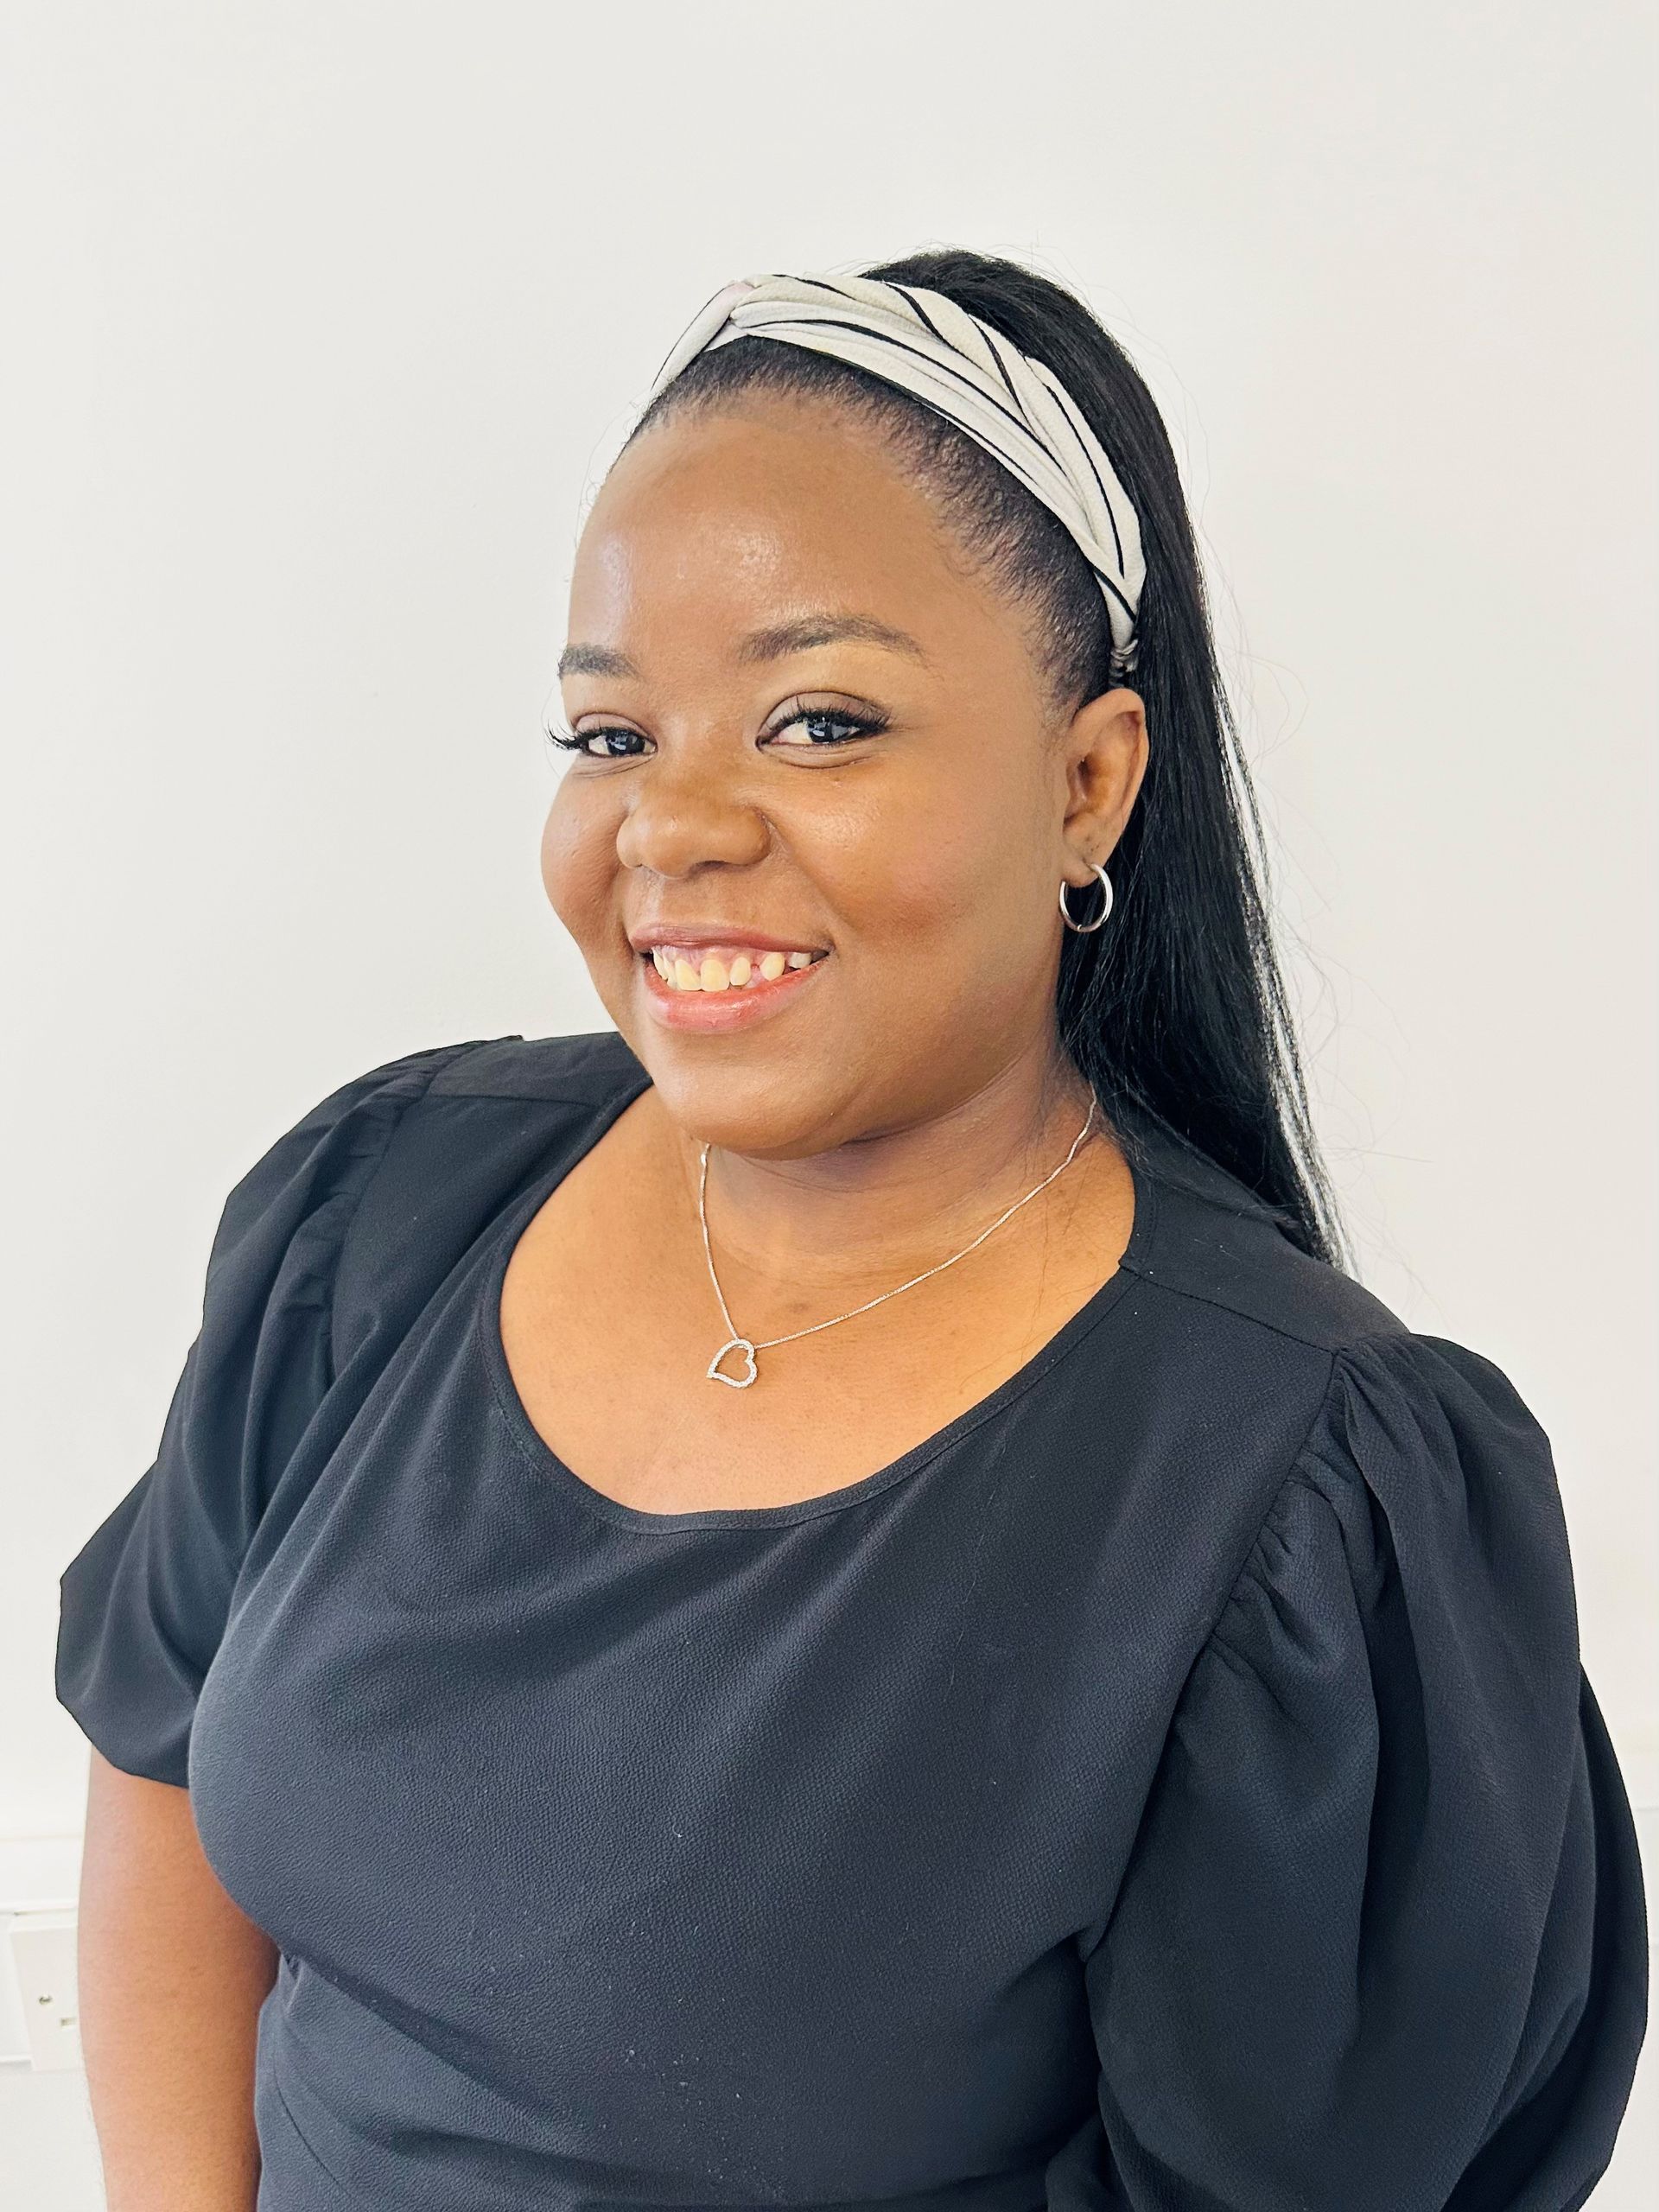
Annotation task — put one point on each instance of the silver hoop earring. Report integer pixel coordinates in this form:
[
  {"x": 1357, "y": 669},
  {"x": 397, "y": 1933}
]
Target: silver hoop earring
[{"x": 1084, "y": 928}]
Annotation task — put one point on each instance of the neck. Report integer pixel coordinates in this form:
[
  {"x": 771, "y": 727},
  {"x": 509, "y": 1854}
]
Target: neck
[{"x": 847, "y": 1221}]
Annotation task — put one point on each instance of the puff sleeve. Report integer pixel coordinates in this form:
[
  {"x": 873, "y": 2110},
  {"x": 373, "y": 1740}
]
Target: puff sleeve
[
  {"x": 144, "y": 1602},
  {"x": 1381, "y": 1943}
]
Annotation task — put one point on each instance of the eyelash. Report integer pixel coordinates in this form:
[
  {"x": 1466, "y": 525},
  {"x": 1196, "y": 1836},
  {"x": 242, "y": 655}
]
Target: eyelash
[{"x": 860, "y": 724}]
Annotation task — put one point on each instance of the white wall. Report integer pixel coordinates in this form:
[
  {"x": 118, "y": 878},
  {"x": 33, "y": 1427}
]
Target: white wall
[{"x": 320, "y": 319}]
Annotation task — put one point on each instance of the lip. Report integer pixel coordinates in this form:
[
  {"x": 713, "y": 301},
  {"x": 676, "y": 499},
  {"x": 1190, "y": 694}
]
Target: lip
[
  {"x": 733, "y": 1009},
  {"x": 717, "y": 933}
]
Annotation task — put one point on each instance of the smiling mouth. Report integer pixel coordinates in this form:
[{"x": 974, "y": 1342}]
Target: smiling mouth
[{"x": 716, "y": 968}]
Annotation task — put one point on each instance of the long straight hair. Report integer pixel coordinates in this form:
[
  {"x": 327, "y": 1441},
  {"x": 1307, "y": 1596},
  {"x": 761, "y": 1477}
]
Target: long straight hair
[{"x": 1177, "y": 1009}]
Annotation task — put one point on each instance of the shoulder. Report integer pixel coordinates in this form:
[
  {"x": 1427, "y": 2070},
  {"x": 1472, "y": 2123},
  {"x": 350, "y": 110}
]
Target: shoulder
[
  {"x": 329, "y": 1159},
  {"x": 452, "y": 1132},
  {"x": 1212, "y": 1253},
  {"x": 1343, "y": 1417},
  {"x": 584, "y": 1069},
  {"x": 361, "y": 1207},
  {"x": 395, "y": 1100},
  {"x": 1214, "y": 1247},
  {"x": 589, "y": 1068},
  {"x": 429, "y": 1149},
  {"x": 1385, "y": 1860},
  {"x": 1386, "y": 1503}
]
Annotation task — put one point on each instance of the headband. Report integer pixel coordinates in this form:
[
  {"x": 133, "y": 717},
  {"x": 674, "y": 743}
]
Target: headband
[{"x": 1013, "y": 405}]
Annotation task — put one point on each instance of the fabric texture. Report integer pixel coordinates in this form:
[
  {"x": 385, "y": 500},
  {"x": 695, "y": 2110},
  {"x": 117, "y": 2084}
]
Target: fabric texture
[
  {"x": 1172, "y": 1787},
  {"x": 1007, "y": 402}
]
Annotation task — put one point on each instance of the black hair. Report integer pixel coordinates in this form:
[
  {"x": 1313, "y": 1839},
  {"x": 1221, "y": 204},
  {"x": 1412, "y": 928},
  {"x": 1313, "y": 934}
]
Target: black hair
[{"x": 1177, "y": 1009}]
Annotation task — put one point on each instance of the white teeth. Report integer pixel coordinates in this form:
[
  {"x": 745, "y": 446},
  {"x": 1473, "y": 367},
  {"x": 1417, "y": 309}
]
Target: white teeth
[{"x": 686, "y": 969}]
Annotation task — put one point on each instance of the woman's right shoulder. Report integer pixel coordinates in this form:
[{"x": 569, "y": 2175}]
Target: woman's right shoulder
[
  {"x": 585, "y": 1069},
  {"x": 582, "y": 1068},
  {"x": 342, "y": 1144},
  {"x": 449, "y": 1137}
]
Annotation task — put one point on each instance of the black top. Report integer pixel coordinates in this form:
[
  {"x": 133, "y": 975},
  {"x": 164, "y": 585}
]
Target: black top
[{"x": 1171, "y": 1788}]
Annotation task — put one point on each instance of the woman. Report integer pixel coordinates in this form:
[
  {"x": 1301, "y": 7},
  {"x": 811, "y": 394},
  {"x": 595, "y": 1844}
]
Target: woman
[{"x": 835, "y": 1596}]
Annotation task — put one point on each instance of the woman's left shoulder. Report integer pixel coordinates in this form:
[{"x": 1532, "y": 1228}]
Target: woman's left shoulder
[
  {"x": 1205, "y": 1240},
  {"x": 1388, "y": 1864},
  {"x": 1388, "y": 1421}
]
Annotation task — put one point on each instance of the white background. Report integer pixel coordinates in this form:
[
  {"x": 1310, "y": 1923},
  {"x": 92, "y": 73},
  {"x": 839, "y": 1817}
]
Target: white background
[{"x": 321, "y": 322}]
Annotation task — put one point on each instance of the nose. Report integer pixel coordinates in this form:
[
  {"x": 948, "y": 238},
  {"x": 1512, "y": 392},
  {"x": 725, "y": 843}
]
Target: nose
[{"x": 681, "y": 815}]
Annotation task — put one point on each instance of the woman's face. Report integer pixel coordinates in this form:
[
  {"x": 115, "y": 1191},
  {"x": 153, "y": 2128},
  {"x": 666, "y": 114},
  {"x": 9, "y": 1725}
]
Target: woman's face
[{"x": 900, "y": 800}]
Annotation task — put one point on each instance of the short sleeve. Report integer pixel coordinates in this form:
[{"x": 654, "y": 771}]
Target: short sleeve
[
  {"x": 1380, "y": 1944},
  {"x": 144, "y": 1602}
]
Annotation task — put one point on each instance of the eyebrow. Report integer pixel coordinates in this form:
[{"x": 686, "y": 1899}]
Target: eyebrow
[{"x": 772, "y": 643}]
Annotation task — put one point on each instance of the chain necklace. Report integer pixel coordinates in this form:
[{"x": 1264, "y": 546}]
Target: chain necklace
[{"x": 736, "y": 1343}]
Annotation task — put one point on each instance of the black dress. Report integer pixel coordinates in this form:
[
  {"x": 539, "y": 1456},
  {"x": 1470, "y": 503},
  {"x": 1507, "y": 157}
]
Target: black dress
[{"x": 1171, "y": 1788}]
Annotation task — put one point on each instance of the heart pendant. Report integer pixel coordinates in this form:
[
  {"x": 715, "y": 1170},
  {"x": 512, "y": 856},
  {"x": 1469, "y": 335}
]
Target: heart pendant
[{"x": 737, "y": 1382}]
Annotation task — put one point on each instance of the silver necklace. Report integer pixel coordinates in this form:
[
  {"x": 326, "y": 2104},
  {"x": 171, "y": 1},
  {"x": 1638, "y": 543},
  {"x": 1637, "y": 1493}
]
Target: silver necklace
[{"x": 736, "y": 1343}]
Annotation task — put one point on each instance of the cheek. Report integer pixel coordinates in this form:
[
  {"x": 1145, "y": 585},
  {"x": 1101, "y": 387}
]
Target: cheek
[
  {"x": 949, "y": 869},
  {"x": 578, "y": 857}
]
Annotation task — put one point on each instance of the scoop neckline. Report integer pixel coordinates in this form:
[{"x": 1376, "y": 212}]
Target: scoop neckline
[{"x": 533, "y": 1446}]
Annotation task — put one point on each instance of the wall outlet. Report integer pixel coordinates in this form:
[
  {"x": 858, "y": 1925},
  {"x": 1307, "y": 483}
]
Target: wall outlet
[
  {"x": 39, "y": 1884},
  {"x": 42, "y": 1946}
]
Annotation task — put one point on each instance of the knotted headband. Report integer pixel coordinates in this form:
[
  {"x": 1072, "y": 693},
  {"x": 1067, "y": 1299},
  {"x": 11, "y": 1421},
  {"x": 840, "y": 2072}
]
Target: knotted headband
[{"x": 1013, "y": 406}]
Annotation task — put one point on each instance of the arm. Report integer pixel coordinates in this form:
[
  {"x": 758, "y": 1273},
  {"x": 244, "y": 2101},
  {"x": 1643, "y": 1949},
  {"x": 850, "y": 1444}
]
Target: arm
[
  {"x": 171, "y": 1977},
  {"x": 172, "y": 1973}
]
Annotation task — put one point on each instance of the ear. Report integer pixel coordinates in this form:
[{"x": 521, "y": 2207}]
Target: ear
[{"x": 1103, "y": 752}]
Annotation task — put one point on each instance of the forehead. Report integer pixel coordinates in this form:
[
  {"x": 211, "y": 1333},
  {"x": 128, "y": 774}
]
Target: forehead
[{"x": 745, "y": 516}]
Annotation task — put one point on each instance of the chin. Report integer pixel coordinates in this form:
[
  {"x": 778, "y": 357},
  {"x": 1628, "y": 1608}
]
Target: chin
[{"x": 765, "y": 1112}]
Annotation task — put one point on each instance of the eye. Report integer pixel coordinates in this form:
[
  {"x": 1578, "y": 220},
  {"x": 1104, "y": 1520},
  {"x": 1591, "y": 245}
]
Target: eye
[
  {"x": 579, "y": 741},
  {"x": 817, "y": 719}
]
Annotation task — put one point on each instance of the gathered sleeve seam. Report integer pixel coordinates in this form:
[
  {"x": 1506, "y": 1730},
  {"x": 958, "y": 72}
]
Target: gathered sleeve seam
[{"x": 1293, "y": 1476}]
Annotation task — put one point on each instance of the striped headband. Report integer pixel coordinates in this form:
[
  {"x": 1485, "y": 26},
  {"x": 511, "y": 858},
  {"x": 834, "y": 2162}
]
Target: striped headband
[{"x": 1013, "y": 406}]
